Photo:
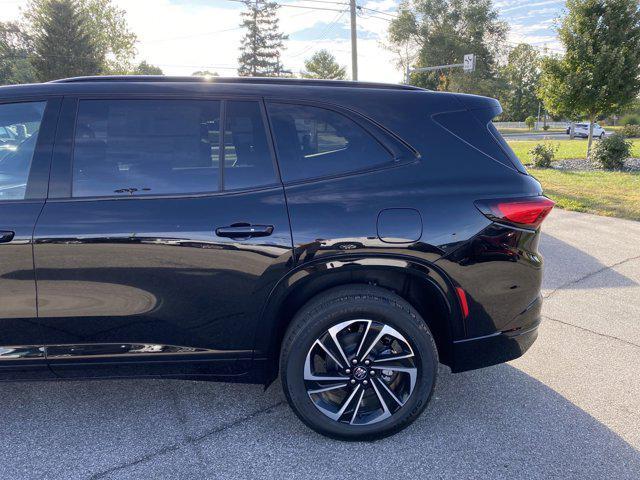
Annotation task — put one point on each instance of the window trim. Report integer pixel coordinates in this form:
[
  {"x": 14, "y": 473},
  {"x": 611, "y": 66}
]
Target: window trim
[
  {"x": 400, "y": 152},
  {"x": 38, "y": 177},
  {"x": 64, "y": 160}
]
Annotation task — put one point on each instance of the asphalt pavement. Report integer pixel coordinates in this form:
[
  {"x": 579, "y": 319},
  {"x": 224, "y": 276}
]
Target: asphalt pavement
[
  {"x": 570, "y": 408},
  {"x": 536, "y": 136}
]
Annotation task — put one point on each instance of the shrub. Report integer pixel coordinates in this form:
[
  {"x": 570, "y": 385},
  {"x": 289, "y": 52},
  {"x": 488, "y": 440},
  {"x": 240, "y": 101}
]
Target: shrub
[
  {"x": 611, "y": 152},
  {"x": 545, "y": 127},
  {"x": 530, "y": 122},
  {"x": 630, "y": 131},
  {"x": 630, "y": 119},
  {"x": 543, "y": 154}
]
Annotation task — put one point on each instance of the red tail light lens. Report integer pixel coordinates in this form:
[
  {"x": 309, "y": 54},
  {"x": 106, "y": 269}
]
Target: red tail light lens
[
  {"x": 527, "y": 212},
  {"x": 462, "y": 297}
]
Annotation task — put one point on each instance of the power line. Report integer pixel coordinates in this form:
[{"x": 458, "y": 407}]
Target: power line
[
  {"x": 327, "y": 2},
  {"x": 322, "y": 35},
  {"x": 368, "y": 17},
  {"x": 203, "y": 34},
  {"x": 378, "y": 11},
  {"x": 290, "y": 6},
  {"x": 204, "y": 67}
]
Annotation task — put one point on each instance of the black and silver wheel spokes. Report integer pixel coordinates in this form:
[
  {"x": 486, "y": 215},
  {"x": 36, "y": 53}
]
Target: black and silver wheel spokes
[{"x": 360, "y": 372}]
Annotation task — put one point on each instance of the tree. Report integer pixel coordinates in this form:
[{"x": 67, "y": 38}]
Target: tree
[
  {"x": 322, "y": 64},
  {"x": 145, "y": 68},
  {"x": 600, "y": 72},
  {"x": 521, "y": 76},
  {"x": 204, "y": 73},
  {"x": 99, "y": 20},
  {"x": 15, "y": 46},
  {"x": 530, "y": 122},
  {"x": 62, "y": 42},
  {"x": 108, "y": 26},
  {"x": 262, "y": 43},
  {"x": 444, "y": 31}
]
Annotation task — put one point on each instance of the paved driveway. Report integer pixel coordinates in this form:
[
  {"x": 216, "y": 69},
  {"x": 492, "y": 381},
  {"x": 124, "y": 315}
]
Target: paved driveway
[
  {"x": 570, "y": 408},
  {"x": 536, "y": 136}
]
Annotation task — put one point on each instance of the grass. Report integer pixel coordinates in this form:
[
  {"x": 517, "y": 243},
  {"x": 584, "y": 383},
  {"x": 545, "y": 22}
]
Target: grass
[
  {"x": 566, "y": 148},
  {"x": 612, "y": 194}
]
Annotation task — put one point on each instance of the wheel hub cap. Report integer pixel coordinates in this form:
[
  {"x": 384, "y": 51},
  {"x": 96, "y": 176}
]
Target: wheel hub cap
[{"x": 359, "y": 373}]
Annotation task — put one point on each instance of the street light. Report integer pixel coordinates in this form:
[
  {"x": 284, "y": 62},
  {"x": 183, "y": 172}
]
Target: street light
[{"x": 468, "y": 65}]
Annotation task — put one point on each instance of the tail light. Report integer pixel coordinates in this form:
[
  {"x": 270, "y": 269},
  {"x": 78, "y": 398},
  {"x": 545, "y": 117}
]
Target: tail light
[{"x": 526, "y": 212}]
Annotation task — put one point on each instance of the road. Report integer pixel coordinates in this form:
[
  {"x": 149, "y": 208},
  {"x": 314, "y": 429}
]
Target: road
[
  {"x": 536, "y": 136},
  {"x": 570, "y": 408},
  {"x": 542, "y": 136}
]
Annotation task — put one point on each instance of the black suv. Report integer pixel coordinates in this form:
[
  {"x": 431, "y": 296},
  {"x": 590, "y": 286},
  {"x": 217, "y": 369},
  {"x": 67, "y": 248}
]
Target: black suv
[{"x": 346, "y": 236}]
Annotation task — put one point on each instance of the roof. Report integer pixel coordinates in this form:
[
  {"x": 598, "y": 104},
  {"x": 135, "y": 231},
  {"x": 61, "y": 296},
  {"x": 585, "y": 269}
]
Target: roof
[
  {"x": 363, "y": 97},
  {"x": 236, "y": 80}
]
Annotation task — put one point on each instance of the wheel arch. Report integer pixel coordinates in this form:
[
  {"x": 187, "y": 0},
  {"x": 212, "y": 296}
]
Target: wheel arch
[{"x": 423, "y": 285}]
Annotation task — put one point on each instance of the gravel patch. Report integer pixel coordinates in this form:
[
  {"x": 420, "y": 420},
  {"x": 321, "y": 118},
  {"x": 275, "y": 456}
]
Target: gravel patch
[{"x": 580, "y": 164}]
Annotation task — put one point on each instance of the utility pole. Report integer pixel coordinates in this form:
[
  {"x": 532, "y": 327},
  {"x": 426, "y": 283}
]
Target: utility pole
[{"x": 354, "y": 42}]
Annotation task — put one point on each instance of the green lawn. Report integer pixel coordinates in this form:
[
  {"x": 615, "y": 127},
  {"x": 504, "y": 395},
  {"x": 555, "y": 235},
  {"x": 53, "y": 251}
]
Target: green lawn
[
  {"x": 613, "y": 194},
  {"x": 567, "y": 148}
]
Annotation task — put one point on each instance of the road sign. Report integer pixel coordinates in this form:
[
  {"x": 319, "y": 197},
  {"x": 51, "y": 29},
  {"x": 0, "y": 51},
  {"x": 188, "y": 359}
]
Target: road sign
[{"x": 469, "y": 63}]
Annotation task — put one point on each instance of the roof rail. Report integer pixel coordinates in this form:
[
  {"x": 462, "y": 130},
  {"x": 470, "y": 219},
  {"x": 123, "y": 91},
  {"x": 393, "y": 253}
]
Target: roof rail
[{"x": 236, "y": 80}]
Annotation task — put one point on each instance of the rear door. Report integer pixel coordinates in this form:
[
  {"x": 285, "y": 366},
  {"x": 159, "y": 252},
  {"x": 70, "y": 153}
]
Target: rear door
[
  {"x": 157, "y": 247},
  {"x": 26, "y": 140}
]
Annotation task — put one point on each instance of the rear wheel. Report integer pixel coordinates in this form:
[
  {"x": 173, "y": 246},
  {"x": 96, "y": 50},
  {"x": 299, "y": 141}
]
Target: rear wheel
[{"x": 358, "y": 363}]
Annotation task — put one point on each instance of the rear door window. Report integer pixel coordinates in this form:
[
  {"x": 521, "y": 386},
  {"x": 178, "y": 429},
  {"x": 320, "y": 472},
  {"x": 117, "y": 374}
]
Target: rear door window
[
  {"x": 314, "y": 142},
  {"x": 247, "y": 157},
  {"x": 19, "y": 127},
  {"x": 137, "y": 147}
]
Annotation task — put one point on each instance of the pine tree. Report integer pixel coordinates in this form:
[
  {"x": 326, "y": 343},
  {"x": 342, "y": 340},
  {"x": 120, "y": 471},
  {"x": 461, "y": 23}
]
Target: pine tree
[
  {"x": 322, "y": 64},
  {"x": 263, "y": 42},
  {"x": 63, "y": 44}
]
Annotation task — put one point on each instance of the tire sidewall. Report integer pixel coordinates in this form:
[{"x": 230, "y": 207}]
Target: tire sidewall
[{"x": 316, "y": 322}]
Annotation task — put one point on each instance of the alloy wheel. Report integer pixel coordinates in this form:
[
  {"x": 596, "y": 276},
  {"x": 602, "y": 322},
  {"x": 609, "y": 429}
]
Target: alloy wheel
[{"x": 360, "y": 372}]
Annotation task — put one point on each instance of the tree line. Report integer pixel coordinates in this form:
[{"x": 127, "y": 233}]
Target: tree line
[{"x": 67, "y": 38}]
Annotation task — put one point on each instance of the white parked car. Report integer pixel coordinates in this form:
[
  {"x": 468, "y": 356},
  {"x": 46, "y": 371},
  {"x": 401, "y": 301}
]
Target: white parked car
[{"x": 582, "y": 130}]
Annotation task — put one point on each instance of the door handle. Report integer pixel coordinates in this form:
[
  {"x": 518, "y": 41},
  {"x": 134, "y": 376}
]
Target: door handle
[
  {"x": 244, "y": 230},
  {"x": 6, "y": 236}
]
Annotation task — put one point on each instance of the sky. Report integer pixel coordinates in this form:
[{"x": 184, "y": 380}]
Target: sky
[{"x": 183, "y": 36}]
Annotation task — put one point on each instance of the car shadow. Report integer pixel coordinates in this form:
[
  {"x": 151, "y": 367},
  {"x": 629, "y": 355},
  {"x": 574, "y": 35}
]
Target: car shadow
[
  {"x": 493, "y": 423},
  {"x": 575, "y": 265}
]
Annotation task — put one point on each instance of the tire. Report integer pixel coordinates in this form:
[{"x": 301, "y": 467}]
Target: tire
[{"x": 354, "y": 405}]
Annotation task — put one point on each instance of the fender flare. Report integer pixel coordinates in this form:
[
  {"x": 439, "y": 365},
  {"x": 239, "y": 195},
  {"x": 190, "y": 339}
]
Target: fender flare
[{"x": 310, "y": 278}]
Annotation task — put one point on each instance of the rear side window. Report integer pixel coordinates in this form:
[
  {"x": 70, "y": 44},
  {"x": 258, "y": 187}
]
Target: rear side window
[
  {"x": 133, "y": 147},
  {"x": 314, "y": 142},
  {"x": 506, "y": 148},
  {"x": 19, "y": 127},
  {"x": 476, "y": 129}
]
